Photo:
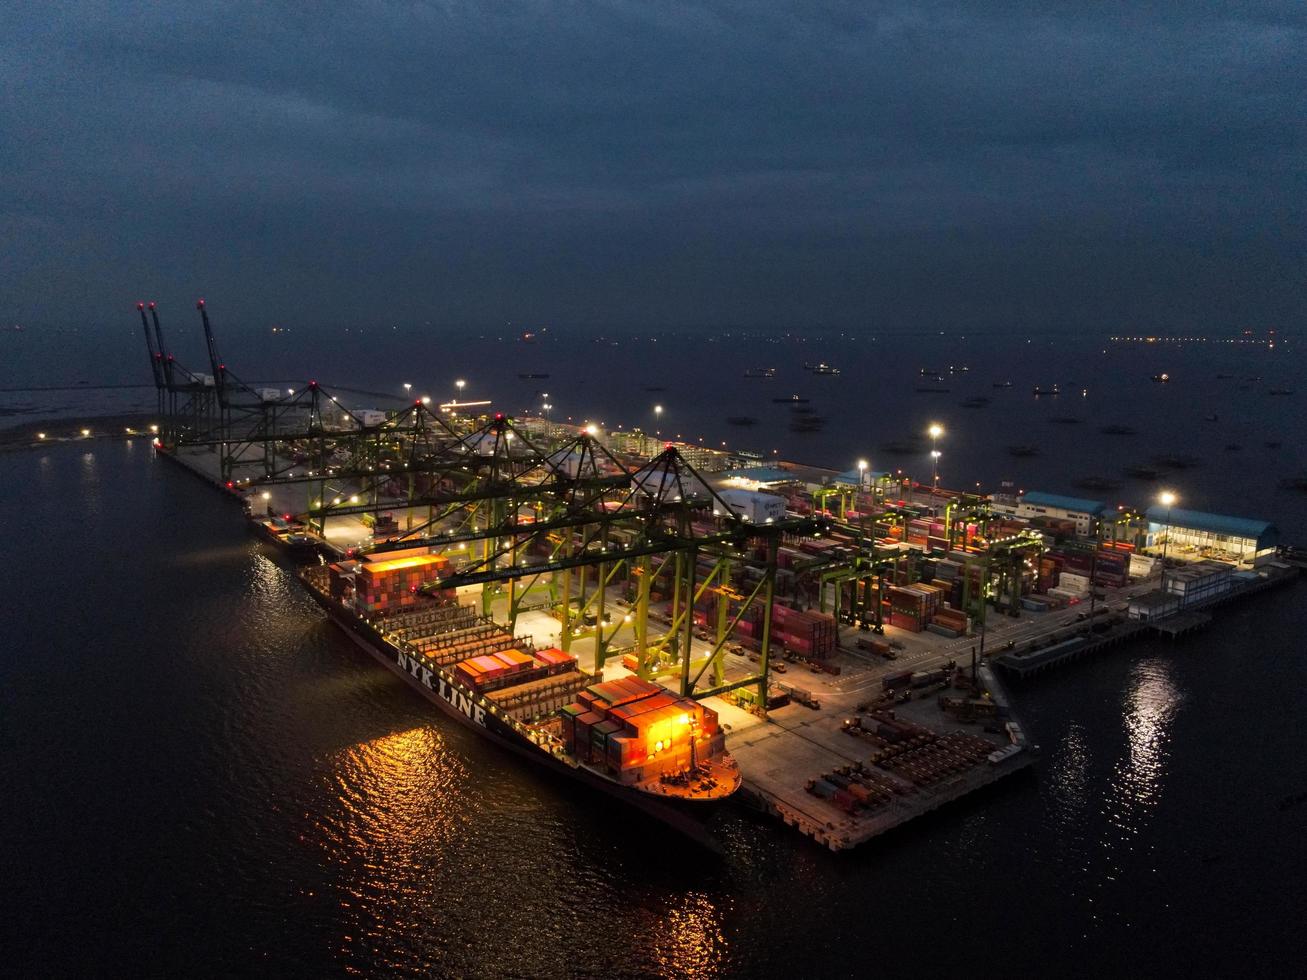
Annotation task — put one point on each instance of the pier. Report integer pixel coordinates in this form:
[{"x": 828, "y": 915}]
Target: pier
[{"x": 841, "y": 626}]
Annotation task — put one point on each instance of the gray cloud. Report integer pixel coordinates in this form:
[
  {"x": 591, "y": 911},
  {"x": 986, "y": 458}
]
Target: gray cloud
[{"x": 633, "y": 163}]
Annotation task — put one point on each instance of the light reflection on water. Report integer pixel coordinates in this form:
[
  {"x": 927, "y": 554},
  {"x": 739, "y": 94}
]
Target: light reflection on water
[
  {"x": 690, "y": 943},
  {"x": 1150, "y": 706}
]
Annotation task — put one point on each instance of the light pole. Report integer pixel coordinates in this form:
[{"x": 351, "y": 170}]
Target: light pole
[
  {"x": 936, "y": 430},
  {"x": 862, "y": 473},
  {"x": 408, "y": 388},
  {"x": 1166, "y": 499}
]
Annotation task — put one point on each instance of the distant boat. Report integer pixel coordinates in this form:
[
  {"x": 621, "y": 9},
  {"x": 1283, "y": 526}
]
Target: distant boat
[
  {"x": 533, "y": 375},
  {"x": 1281, "y": 391},
  {"x": 825, "y": 369},
  {"x": 1117, "y": 430},
  {"x": 1002, "y": 384},
  {"x": 792, "y": 400},
  {"x": 1097, "y": 483},
  {"x": 958, "y": 370},
  {"x": 928, "y": 373},
  {"x": 1142, "y": 472},
  {"x": 1046, "y": 391},
  {"x": 760, "y": 372},
  {"x": 1162, "y": 378},
  {"x": 1023, "y": 451},
  {"x": 901, "y": 448},
  {"x": 528, "y": 337}
]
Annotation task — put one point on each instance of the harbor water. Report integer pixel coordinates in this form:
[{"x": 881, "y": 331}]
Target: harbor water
[{"x": 201, "y": 776}]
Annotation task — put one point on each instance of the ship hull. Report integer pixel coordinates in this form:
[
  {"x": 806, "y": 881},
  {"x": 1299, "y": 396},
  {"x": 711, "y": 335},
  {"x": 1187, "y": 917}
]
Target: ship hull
[{"x": 684, "y": 817}]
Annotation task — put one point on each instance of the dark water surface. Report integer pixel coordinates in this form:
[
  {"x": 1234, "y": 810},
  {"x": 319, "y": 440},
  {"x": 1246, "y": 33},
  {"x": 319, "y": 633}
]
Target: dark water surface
[{"x": 202, "y": 777}]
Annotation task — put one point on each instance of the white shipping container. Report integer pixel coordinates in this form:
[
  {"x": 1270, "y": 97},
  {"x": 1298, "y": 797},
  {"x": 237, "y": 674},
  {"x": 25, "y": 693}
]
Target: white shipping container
[
  {"x": 755, "y": 507},
  {"x": 371, "y": 417},
  {"x": 1069, "y": 580},
  {"x": 1141, "y": 566},
  {"x": 269, "y": 394}
]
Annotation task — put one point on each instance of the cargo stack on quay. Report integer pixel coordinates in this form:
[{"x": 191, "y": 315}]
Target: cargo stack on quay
[{"x": 669, "y": 623}]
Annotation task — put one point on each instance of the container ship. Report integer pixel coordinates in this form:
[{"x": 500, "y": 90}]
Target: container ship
[{"x": 627, "y": 737}]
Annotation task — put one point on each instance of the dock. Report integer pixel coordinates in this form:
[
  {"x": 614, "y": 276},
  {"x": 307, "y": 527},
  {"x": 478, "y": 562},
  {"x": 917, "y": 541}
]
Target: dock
[{"x": 892, "y": 607}]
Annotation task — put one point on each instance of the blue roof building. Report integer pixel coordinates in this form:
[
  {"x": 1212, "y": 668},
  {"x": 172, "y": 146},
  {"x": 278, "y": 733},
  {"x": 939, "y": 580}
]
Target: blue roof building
[
  {"x": 1194, "y": 534},
  {"x": 761, "y": 474},
  {"x": 1072, "y": 505}
]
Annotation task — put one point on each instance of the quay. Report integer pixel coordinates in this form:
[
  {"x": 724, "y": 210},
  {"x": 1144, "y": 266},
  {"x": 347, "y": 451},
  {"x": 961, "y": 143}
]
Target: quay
[{"x": 844, "y": 628}]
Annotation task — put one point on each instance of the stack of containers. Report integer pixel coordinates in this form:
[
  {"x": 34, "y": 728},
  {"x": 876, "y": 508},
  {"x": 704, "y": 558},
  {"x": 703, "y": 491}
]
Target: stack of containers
[
  {"x": 950, "y": 622},
  {"x": 913, "y": 606},
  {"x": 918, "y": 532},
  {"x": 638, "y": 730},
  {"x": 555, "y": 661},
  {"x": 1050, "y": 567},
  {"x": 811, "y": 634},
  {"x": 1200, "y": 581},
  {"x": 1112, "y": 568},
  {"x": 395, "y": 582}
]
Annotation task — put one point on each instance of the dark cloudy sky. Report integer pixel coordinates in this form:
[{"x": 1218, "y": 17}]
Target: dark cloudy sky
[{"x": 995, "y": 163}]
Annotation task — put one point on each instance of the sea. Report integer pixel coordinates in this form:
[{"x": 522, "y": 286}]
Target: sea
[{"x": 202, "y": 777}]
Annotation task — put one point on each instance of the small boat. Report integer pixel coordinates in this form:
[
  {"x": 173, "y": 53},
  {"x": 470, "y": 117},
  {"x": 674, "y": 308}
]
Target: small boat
[
  {"x": 928, "y": 373},
  {"x": 1002, "y": 384},
  {"x": 792, "y": 400},
  {"x": 760, "y": 372},
  {"x": 808, "y": 423},
  {"x": 1175, "y": 461},
  {"x": 1161, "y": 378},
  {"x": 1212, "y": 418},
  {"x": 1117, "y": 430},
  {"x": 1045, "y": 391},
  {"x": 1097, "y": 483},
  {"x": 958, "y": 370},
  {"x": 1023, "y": 451},
  {"x": 741, "y": 420},
  {"x": 1142, "y": 472},
  {"x": 532, "y": 375},
  {"x": 825, "y": 369},
  {"x": 1281, "y": 391},
  {"x": 902, "y": 448}
]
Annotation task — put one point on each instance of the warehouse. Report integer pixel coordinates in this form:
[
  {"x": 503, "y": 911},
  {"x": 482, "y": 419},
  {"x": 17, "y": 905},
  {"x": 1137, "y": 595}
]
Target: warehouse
[
  {"x": 1085, "y": 513},
  {"x": 1193, "y": 534}
]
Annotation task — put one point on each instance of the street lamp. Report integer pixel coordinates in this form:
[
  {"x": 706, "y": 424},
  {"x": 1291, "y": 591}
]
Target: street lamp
[
  {"x": 407, "y": 387},
  {"x": 862, "y": 473},
  {"x": 1167, "y": 499},
  {"x": 935, "y": 431},
  {"x": 459, "y": 385}
]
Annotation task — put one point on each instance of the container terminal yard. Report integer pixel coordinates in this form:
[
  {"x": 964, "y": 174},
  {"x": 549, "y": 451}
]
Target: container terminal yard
[{"x": 675, "y": 625}]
